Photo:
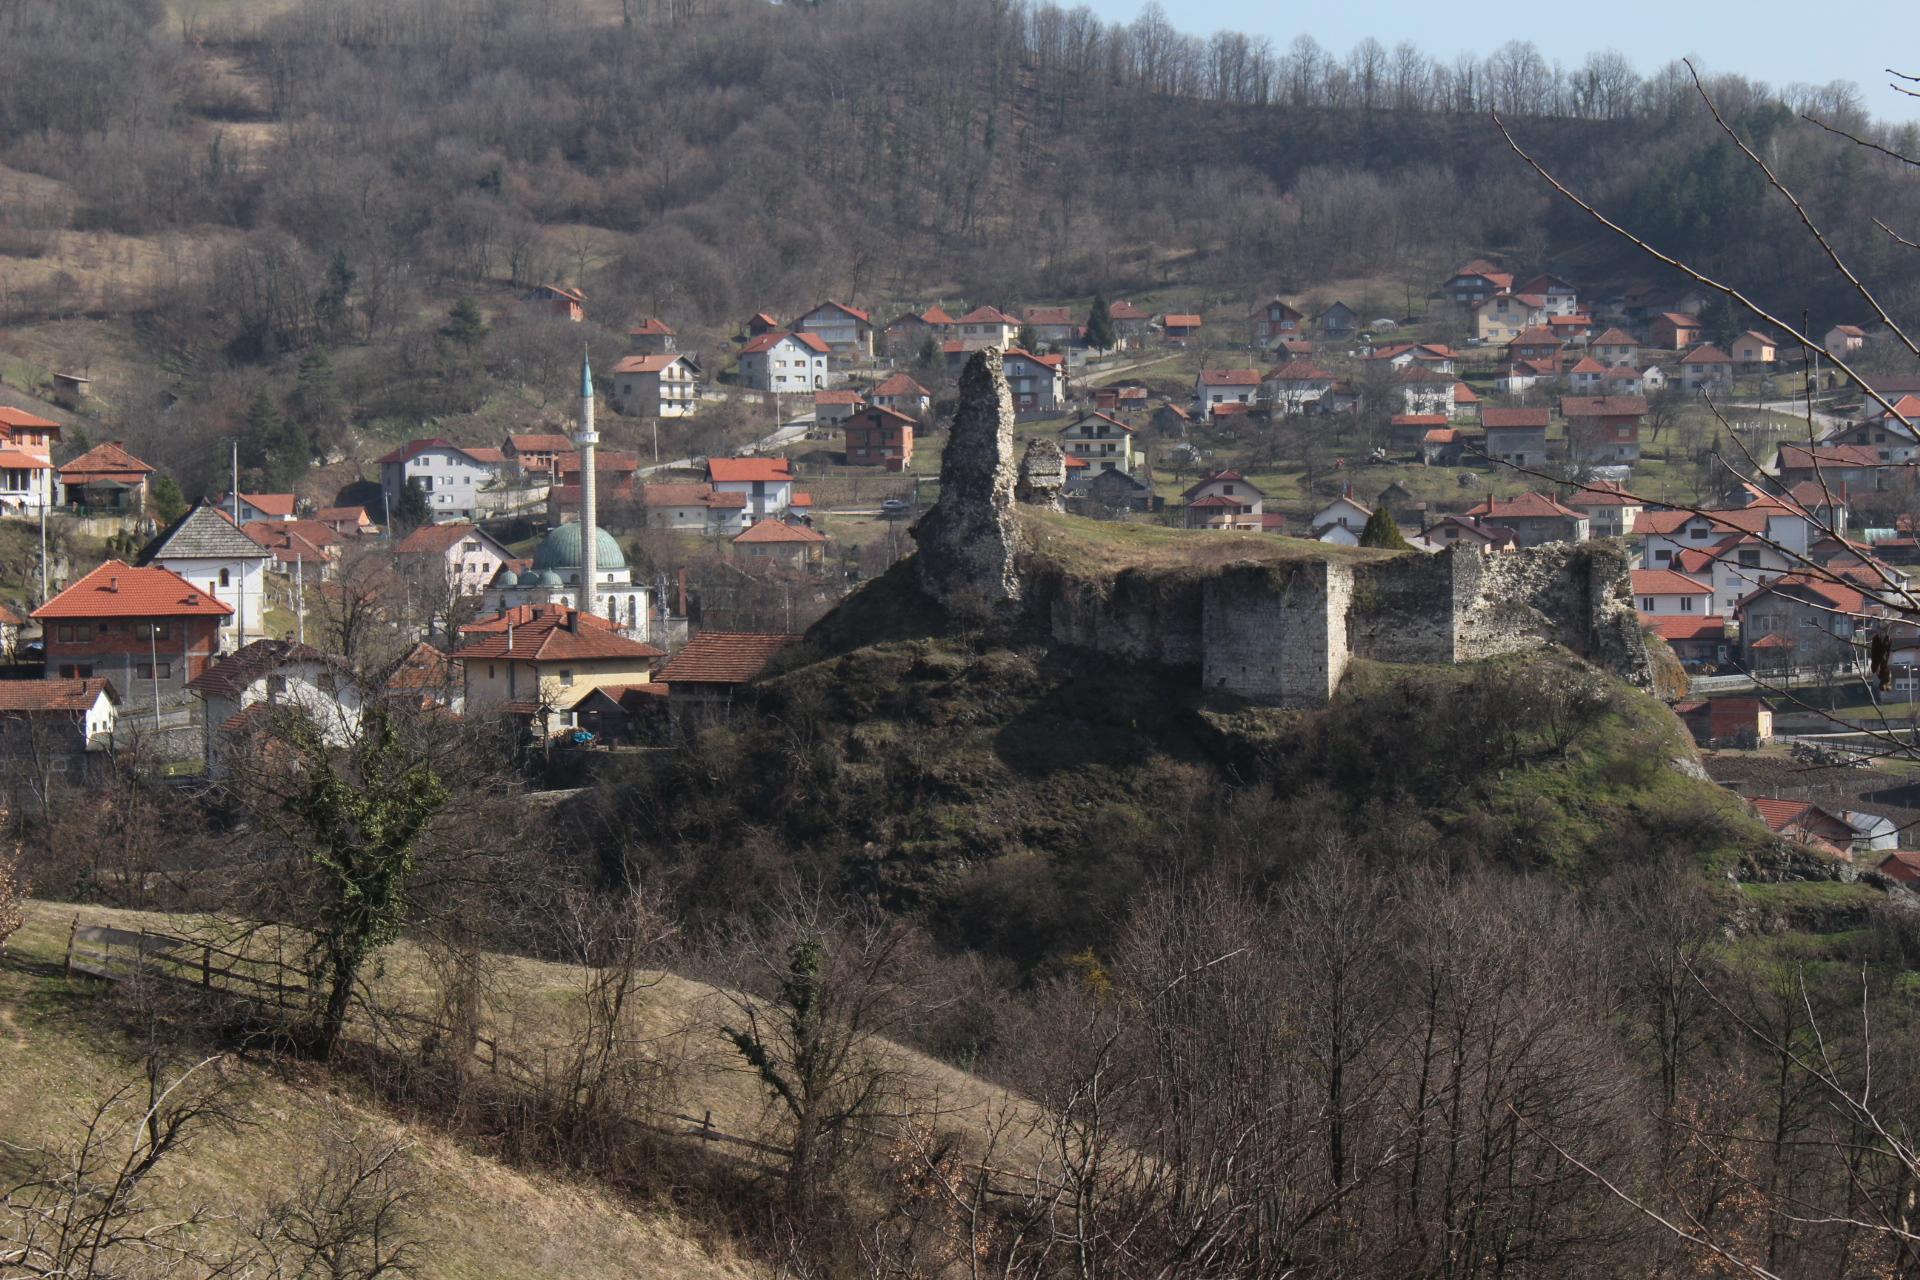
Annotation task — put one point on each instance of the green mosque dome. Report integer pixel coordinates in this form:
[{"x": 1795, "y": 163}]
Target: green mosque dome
[{"x": 561, "y": 550}]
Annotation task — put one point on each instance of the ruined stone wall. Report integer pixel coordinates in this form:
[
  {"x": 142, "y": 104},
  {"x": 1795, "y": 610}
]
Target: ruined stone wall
[
  {"x": 1142, "y": 617},
  {"x": 1406, "y": 609},
  {"x": 1277, "y": 633}
]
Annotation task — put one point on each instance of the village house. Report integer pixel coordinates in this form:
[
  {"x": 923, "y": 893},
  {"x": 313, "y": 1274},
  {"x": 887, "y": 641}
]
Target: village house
[
  {"x": 1102, "y": 442},
  {"x": 1516, "y": 436},
  {"x": 1603, "y": 429},
  {"x": 1341, "y": 521},
  {"x": 1470, "y": 532},
  {"x": 1625, "y": 380},
  {"x": 204, "y": 547},
  {"x": 1225, "y": 386},
  {"x": 1753, "y": 352},
  {"x": 878, "y": 437},
  {"x": 1574, "y": 330},
  {"x": 1587, "y": 377},
  {"x": 1851, "y": 469},
  {"x": 1407, "y": 429},
  {"x": 246, "y": 508},
  {"x": 1535, "y": 518},
  {"x": 1536, "y": 345},
  {"x": 1744, "y": 722},
  {"x": 1444, "y": 446},
  {"x": 1130, "y": 322},
  {"x": 269, "y": 678},
  {"x": 1466, "y": 403},
  {"x": 902, "y": 394},
  {"x": 131, "y": 624},
  {"x": 1610, "y": 510},
  {"x": 652, "y": 337},
  {"x": 705, "y": 677},
  {"x": 1706, "y": 369},
  {"x": 52, "y": 726},
  {"x": 847, "y": 332},
  {"x": 451, "y": 476},
  {"x": 1675, "y": 331},
  {"x": 557, "y": 300},
  {"x": 1180, "y": 328},
  {"x": 1423, "y": 391},
  {"x": 761, "y": 323},
  {"x": 833, "y": 408},
  {"x": 985, "y": 327},
  {"x": 1558, "y": 297},
  {"x": 909, "y": 331},
  {"x": 1805, "y": 618},
  {"x": 656, "y": 385},
  {"x": 1659, "y": 593},
  {"x": 1038, "y": 383},
  {"x": 765, "y": 483},
  {"x": 784, "y": 362},
  {"x": 106, "y": 480},
  {"x": 1475, "y": 282},
  {"x": 1293, "y": 388},
  {"x": 1170, "y": 420},
  {"x": 533, "y": 452},
  {"x": 1224, "y": 500},
  {"x": 26, "y": 462},
  {"x": 463, "y": 557},
  {"x": 1806, "y": 823},
  {"x": 1844, "y": 339},
  {"x": 694, "y": 508},
  {"x": 1501, "y": 318},
  {"x": 1091, "y": 491},
  {"x": 1430, "y": 355},
  {"x": 795, "y": 544},
  {"x": 1615, "y": 347},
  {"x": 1337, "y": 321},
  {"x": 1275, "y": 321},
  {"x": 296, "y": 548},
  {"x": 537, "y": 664},
  {"x": 1893, "y": 437},
  {"x": 1698, "y": 642},
  {"x": 1053, "y": 326}
]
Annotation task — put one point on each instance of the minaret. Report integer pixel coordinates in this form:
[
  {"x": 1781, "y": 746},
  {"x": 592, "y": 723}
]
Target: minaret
[{"x": 586, "y": 439}]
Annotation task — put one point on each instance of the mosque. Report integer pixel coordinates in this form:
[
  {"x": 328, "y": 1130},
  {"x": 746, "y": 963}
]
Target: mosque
[{"x": 569, "y": 569}]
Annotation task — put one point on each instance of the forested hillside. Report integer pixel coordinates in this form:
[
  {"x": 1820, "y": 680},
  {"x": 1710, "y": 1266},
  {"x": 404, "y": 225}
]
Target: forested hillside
[{"x": 220, "y": 189}]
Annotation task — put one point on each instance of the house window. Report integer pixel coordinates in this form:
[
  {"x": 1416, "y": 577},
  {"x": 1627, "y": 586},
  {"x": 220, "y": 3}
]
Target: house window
[
  {"x": 1647, "y": 604},
  {"x": 75, "y": 670},
  {"x": 226, "y": 578},
  {"x": 83, "y": 631},
  {"x": 150, "y": 671},
  {"x": 566, "y": 678},
  {"x": 276, "y": 685},
  {"x": 1686, "y": 604},
  {"x": 1662, "y": 556}
]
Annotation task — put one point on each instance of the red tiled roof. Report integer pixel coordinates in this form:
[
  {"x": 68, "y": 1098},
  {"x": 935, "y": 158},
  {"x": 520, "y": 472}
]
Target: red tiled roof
[
  {"x": 1493, "y": 419},
  {"x": 1124, "y": 310},
  {"x": 108, "y": 461},
  {"x": 1441, "y": 435},
  {"x": 1182, "y": 320},
  {"x": 654, "y": 363},
  {"x": 19, "y": 461},
  {"x": 1230, "y": 377},
  {"x": 837, "y": 397},
  {"x": 1587, "y": 364},
  {"x": 988, "y": 315},
  {"x": 54, "y": 697},
  {"x": 1685, "y": 628},
  {"x": 434, "y": 539},
  {"x": 1679, "y": 320},
  {"x": 548, "y": 637},
  {"x": 739, "y": 470},
  {"x": 1417, "y": 419},
  {"x": 1706, "y": 353},
  {"x": 12, "y": 417},
  {"x": 541, "y": 441},
  {"x": 1526, "y": 505},
  {"x": 1739, "y": 520},
  {"x": 118, "y": 590},
  {"x": 1606, "y": 494},
  {"x": 1851, "y": 330},
  {"x": 724, "y": 657},
  {"x": 1665, "y": 582},
  {"x": 841, "y": 307},
  {"x": 1615, "y": 338},
  {"x": 1534, "y": 336},
  {"x": 650, "y": 328},
  {"x": 772, "y": 531},
  {"x": 690, "y": 494},
  {"x": 1797, "y": 457},
  {"x": 1464, "y": 394},
  {"x": 768, "y": 341},
  {"x": 900, "y": 385}
]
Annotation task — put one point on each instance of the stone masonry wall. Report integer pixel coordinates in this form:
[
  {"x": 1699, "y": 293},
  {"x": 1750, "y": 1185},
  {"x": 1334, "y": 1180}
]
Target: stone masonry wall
[
  {"x": 1141, "y": 617},
  {"x": 1277, "y": 633}
]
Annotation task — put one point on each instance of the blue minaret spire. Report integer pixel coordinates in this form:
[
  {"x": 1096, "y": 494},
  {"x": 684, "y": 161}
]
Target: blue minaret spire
[
  {"x": 585, "y": 440},
  {"x": 586, "y": 375}
]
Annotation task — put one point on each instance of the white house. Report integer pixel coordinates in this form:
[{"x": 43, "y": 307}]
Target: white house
[
  {"x": 1104, "y": 443},
  {"x": 695, "y": 508},
  {"x": 664, "y": 385},
  {"x": 1559, "y": 297},
  {"x": 1341, "y": 521},
  {"x": 47, "y": 723},
  {"x": 1424, "y": 391},
  {"x": 1296, "y": 386},
  {"x": 205, "y": 548},
  {"x": 1663, "y": 593},
  {"x": 785, "y": 362},
  {"x": 1843, "y": 339},
  {"x": 765, "y": 483},
  {"x": 1213, "y": 387},
  {"x": 461, "y": 554},
  {"x": 986, "y": 327},
  {"x": 901, "y": 394},
  {"x": 246, "y": 688},
  {"x": 27, "y": 477},
  {"x": 451, "y": 475},
  {"x": 260, "y": 506},
  {"x": 1038, "y": 383},
  {"x": 846, "y": 331}
]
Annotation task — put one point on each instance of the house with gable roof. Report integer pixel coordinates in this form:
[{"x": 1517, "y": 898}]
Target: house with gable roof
[
  {"x": 1675, "y": 330},
  {"x": 1850, "y": 469},
  {"x": 1516, "y": 436},
  {"x": 140, "y": 626},
  {"x": 537, "y": 663},
  {"x": 706, "y": 677},
  {"x": 694, "y": 507},
  {"x": 26, "y": 461},
  {"x": 653, "y": 337},
  {"x": 1224, "y": 500},
  {"x": 784, "y": 362},
  {"x": 1558, "y": 297},
  {"x": 1603, "y": 429},
  {"x": 847, "y": 331},
  {"x": 1808, "y": 618},
  {"x": 204, "y": 547},
  {"x": 1276, "y": 320},
  {"x": 1475, "y": 282},
  {"x": 902, "y": 394},
  {"x": 451, "y": 475},
  {"x": 1100, "y": 441},
  {"x": 1038, "y": 383},
  {"x": 463, "y": 556},
  {"x": 985, "y": 327},
  {"x": 1609, "y": 508},
  {"x": 1341, "y": 521},
  {"x": 1535, "y": 518},
  {"x": 1295, "y": 387},
  {"x": 765, "y": 483},
  {"x": 1053, "y": 326},
  {"x": 771, "y": 539},
  {"x": 269, "y": 677},
  {"x": 533, "y": 452},
  {"x": 1212, "y": 387},
  {"x": 909, "y": 331},
  {"x": 1753, "y": 351},
  {"x": 1180, "y": 327},
  {"x": 1706, "y": 368},
  {"x": 879, "y": 437},
  {"x": 1130, "y": 322},
  {"x": 1844, "y": 339},
  {"x": 52, "y": 726},
  {"x": 656, "y": 385},
  {"x": 1499, "y": 319},
  {"x": 106, "y": 479},
  {"x": 1614, "y": 348}
]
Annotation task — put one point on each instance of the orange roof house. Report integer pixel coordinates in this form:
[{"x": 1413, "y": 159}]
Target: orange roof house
[{"x": 131, "y": 624}]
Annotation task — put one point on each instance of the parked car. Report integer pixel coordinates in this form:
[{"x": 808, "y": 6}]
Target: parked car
[{"x": 893, "y": 508}]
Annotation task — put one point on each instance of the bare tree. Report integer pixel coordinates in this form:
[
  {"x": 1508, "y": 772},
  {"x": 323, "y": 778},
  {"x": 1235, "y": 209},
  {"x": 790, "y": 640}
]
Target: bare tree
[{"x": 351, "y": 1214}]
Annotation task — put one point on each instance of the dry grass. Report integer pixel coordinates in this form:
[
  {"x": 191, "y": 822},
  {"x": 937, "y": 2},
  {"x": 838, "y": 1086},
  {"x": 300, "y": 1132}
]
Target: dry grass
[{"x": 1102, "y": 547}]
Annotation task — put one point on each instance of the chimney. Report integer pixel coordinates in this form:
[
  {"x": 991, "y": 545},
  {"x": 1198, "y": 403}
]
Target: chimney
[{"x": 113, "y": 582}]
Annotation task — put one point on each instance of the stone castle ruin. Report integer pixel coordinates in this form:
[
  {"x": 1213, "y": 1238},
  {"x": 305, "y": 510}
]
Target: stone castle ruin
[{"x": 1273, "y": 630}]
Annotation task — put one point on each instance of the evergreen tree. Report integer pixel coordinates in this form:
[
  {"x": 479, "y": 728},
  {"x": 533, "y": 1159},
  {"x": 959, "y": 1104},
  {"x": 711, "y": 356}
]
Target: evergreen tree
[
  {"x": 273, "y": 444},
  {"x": 316, "y": 392},
  {"x": 1382, "y": 531},
  {"x": 465, "y": 324},
  {"x": 412, "y": 510},
  {"x": 169, "y": 504},
  {"x": 1101, "y": 335},
  {"x": 929, "y": 353},
  {"x": 1026, "y": 339}
]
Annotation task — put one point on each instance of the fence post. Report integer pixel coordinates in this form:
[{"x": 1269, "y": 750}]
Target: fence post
[
  {"x": 706, "y": 1126},
  {"x": 206, "y": 965},
  {"x": 72, "y": 930}
]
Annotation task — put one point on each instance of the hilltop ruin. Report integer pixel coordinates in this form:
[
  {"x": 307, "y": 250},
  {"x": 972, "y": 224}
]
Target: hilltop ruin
[{"x": 1274, "y": 620}]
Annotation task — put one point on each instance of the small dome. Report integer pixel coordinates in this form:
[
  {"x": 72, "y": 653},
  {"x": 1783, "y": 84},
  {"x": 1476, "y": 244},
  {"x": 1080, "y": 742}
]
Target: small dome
[
  {"x": 505, "y": 577},
  {"x": 561, "y": 549},
  {"x": 547, "y": 578}
]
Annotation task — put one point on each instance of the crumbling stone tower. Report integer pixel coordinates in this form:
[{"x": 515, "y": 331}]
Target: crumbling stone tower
[
  {"x": 1043, "y": 475},
  {"x": 969, "y": 540}
]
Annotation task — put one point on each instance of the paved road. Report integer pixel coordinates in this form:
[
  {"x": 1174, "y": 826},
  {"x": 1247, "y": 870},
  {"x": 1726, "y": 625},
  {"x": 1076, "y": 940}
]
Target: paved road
[
  {"x": 785, "y": 435},
  {"x": 1796, "y": 409}
]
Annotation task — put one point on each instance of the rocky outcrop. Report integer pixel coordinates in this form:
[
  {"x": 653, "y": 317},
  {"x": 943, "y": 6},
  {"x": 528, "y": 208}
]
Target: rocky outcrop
[
  {"x": 969, "y": 540},
  {"x": 1043, "y": 475}
]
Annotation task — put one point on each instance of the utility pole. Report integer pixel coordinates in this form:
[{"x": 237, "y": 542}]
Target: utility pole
[
  {"x": 300, "y": 597},
  {"x": 153, "y": 669},
  {"x": 235, "y": 503},
  {"x": 43, "y": 553}
]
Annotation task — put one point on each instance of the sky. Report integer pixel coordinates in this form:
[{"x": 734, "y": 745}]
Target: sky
[{"x": 1762, "y": 39}]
